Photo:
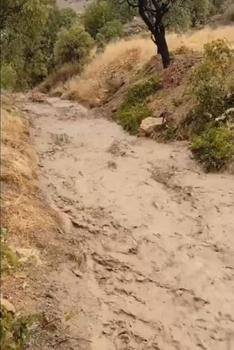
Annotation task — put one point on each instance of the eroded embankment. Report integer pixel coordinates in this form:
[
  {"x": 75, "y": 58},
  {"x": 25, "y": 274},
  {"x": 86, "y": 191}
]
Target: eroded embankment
[{"x": 27, "y": 225}]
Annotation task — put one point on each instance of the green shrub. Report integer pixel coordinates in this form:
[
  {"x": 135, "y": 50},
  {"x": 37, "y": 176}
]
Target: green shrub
[
  {"x": 214, "y": 148},
  {"x": 131, "y": 116},
  {"x": 15, "y": 331},
  {"x": 122, "y": 10},
  {"x": 140, "y": 91},
  {"x": 111, "y": 30},
  {"x": 66, "y": 18},
  {"x": 73, "y": 45},
  {"x": 211, "y": 83},
  {"x": 134, "y": 108},
  {"x": 96, "y": 15},
  {"x": 169, "y": 134},
  {"x": 8, "y": 77}
]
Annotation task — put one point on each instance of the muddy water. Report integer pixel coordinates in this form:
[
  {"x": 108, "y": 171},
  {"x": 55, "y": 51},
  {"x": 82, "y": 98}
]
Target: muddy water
[{"x": 154, "y": 237}]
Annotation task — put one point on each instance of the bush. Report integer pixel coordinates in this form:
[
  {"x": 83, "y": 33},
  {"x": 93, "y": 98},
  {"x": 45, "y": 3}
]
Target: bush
[
  {"x": 73, "y": 45},
  {"x": 214, "y": 148},
  {"x": 111, "y": 30},
  {"x": 15, "y": 331},
  {"x": 131, "y": 116},
  {"x": 134, "y": 109},
  {"x": 211, "y": 83},
  {"x": 96, "y": 15},
  {"x": 122, "y": 10},
  {"x": 8, "y": 77},
  {"x": 66, "y": 18}
]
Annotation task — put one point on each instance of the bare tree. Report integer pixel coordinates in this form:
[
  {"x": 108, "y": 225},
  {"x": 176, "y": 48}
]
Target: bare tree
[{"x": 152, "y": 12}]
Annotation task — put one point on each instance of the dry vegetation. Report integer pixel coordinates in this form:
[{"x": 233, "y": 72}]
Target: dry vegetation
[
  {"x": 26, "y": 226},
  {"x": 119, "y": 61},
  {"x": 122, "y": 60},
  {"x": 23, "y": 213}
]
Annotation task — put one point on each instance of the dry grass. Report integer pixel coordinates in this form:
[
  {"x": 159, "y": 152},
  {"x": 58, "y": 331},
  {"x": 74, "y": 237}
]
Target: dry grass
[
  {"x": 195, "y": 40},
  {"x": 122, "y": 60},
  {"x": 118, "y": 61},
  {"x": 23, "y": 213}
]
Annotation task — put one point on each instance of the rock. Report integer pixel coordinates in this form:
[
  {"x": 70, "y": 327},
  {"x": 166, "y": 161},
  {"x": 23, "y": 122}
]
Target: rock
[
  {"x": 114, "y": 109},
  {"x": 7, "y": 305},
  {"x": 149, "y": 125},
  {"x": 115, "y": 83},
  {"x": 37, "y": 97}
]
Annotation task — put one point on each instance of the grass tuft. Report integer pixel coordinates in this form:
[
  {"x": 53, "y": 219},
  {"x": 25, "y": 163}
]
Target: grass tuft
[{"x": 214, "y": 148}]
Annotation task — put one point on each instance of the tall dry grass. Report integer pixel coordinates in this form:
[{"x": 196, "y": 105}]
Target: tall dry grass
[
  {"x": 23, "y": 214},
  {"x": 122, "y": 60},
  {"x": 119, "y": 61}
]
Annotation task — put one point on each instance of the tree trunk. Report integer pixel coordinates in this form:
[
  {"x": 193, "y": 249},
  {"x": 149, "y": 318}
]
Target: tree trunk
[
  {"x": 157, "y": 30},
  {"x": 160, "y": 40}
]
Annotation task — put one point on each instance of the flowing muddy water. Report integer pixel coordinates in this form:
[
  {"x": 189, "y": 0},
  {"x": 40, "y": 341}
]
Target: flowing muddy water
[{"x": 154, "y": 237}]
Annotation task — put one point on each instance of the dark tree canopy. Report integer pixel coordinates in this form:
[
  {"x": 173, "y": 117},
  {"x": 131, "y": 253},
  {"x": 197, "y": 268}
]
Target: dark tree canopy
[{"x": 152, "y": 12}]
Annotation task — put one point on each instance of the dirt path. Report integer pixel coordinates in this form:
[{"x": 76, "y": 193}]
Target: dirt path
[{"x": 154, "y": 238}]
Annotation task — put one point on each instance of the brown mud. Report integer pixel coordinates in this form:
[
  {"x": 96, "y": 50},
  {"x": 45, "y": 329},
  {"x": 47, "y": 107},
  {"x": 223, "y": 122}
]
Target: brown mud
[{"x": 146, "y": 252}]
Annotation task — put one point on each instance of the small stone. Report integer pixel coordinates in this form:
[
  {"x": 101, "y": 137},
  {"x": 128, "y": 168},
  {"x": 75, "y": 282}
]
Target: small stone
[{"x": 150, "y": 124}]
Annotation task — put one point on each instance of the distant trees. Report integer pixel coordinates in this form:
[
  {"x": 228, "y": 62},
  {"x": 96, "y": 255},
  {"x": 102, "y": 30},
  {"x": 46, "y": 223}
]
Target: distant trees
[
  {"x": 9, "y": 8},
  {"x": 22, "y": 26},
  {"x": 72, "y": 45},
  {"x": 30, "y": 30},
  {"x": 96, "y": 15},
  {"x": 104, "y": 19}
]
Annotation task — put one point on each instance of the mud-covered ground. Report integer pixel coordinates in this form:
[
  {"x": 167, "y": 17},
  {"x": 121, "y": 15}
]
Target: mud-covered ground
[{"x": 152, "y": 236}]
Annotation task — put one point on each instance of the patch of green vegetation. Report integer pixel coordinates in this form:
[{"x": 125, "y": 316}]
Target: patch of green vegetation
[
  {"x": 134, "y": 108},
  {"x": 15, "y": 331},
  {"x": 8, "y": 77},
  {"x": 140, "y": 91},
  {"x": 131, "y": 116},
  {"x": 169, "y": 134},
  {"x": 110, "y": 31},
  {"x": 9, "y": 260},
  {"x": 211, "y": 83},
  {"x": 214, "y": 148},
  {"x": 72, "y": 45},
  {"x": 211, "y": 89}
]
